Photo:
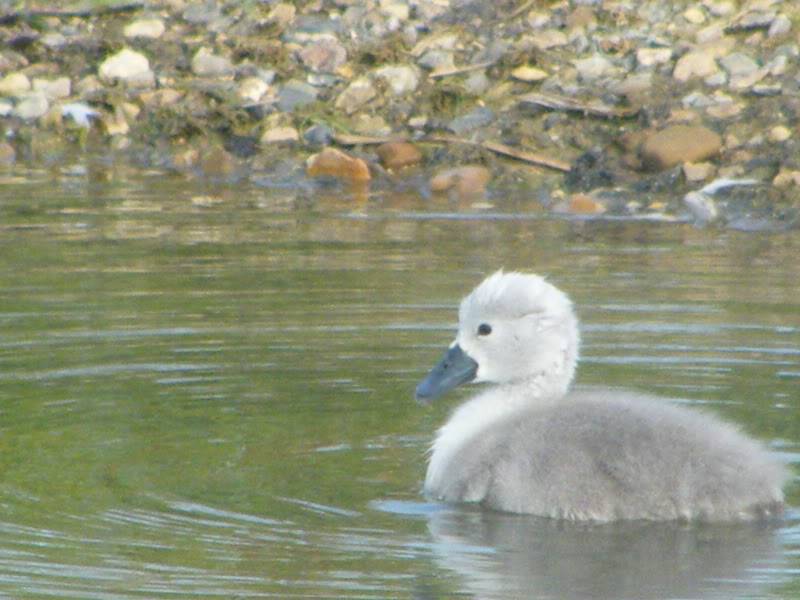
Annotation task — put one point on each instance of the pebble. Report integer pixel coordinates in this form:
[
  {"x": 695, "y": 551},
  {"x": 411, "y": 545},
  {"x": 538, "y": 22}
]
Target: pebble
[
  {"x": 550, "y": 38},
  {"x": 128, "y": 66},
  {"x": 397, "y": 155},
  {"x": 278, "y": 135},
  {"x": 145, "y": 28},
  {"x": 780, "y": 26},
  {"x": 374, "y": 125},
  {"x": 323, "y": 56},
  {"x": 694, "y": 172},
  {"x": 14, "y": 84},
  {"x": 402, "y": 79},
  {"x": 252, "y": 89},
  {"x": 207, "y": 64},
  {"x": 356, "y": 95},
  {"x": 332, "y": 162},
  {"x": 6, "y": 108},
  {"x": 678, "y": 144},
  {"x": 693, "y": 65},
  {"x": 528, "y": 74},
  {"x": 593, "y": 68},
  {"x": 780, "y": 133},
  {"x": 318, "y": 135},
  {"x": 53, "y": 89},
  {"x": 694, "y": 15},
  {"x": 584, "y": 204},
  {"x": 738, "y": 64},
  {"x": 466, "y": 181},
  {"x": 703, "y": 207},
  {"x": 31, "y": 106},
  {"x": 296, "y": 94},
  {"x": 648, "y": 57},
  {"x": 480, "y": 117}
]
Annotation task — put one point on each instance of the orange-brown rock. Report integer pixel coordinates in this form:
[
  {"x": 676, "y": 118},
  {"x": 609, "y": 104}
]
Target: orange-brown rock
[
  {"x": 679, "y": 144},
  {"x": 396, "y": 155},
  {"x": 335, "y": 163},
  {"x": 583, "y": 204},
  {"x": 466, "y": 180}
]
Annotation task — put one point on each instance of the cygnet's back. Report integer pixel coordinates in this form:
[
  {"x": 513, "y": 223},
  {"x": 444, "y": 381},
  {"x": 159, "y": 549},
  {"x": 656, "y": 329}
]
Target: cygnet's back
[{"x": 526, "y": 445}]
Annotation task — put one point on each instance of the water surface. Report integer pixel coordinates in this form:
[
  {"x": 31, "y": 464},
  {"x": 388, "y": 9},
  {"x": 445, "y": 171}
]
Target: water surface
[{"x": 207, "y": 391}]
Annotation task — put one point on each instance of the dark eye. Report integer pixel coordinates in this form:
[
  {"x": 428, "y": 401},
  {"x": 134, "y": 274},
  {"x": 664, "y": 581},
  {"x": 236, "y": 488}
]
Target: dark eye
[{"x": 484, "y": 329}]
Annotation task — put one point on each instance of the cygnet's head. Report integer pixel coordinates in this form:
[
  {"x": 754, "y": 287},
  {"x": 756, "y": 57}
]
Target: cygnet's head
[{"x": 512, "y": 328}]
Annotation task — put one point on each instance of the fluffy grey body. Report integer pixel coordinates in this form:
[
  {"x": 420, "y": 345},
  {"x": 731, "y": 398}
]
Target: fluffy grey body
[{"x": 528, "y": 445}]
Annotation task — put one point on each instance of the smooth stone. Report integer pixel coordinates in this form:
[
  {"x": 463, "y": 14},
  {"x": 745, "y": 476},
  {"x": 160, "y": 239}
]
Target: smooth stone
[
  {"x": 296, "y": 94},
  {"x": 402, "y": 79},
  {"x": 31, "y": 106},
  {"x": 207, "y": 64},
  {"x": 696, "y": 64},
  {"x": 145, "y": 28},
  {"x": 694, "y": 172},
  {"x": 15, "y": 84},
  {"x": 466, "y": 180},
  {"x": 694, "y": 15},
  {"x": 6, "y": 108},
  {"x": 593, "y": 68},
  {"x": 161, "y": 98},
  {"x": 476, "y": 83},
  {"x": 355, "y": 95},
  {"x": 550, "y": 38},
  {"x": 480, "y": 117},
  {"x": 648, "y": 57},
  {"x": 324, "y": 55},
  {"x": 132, "y": 68},
  {"x": 53, "y": 89},
  {"x": 529, "y": 74},
  {"x": 678, "y": 144},
  {"x": 437, "y": 60},
  {"x": 53, "y": 40},
  {"x": 780, "y": 26},
  {"x": 277, "y": 135},
  {"x": 584, "y": 204},
  {"x": 318, "y": 135},
  {"x": 396, "y": 155},
  {"x": 332, "y": 162},
  {"x": 252, "y": 89},
  {"x": 780, "y": 133},
  {"x": 374, "y": 125},
  {"x": 738, "y": 64}
]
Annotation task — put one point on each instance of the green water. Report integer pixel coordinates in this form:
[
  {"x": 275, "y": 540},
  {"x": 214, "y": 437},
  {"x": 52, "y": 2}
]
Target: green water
[{"x": 207, "y": 391}]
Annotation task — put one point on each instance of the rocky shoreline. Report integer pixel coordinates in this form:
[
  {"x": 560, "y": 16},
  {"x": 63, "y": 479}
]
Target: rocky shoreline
[{"x": 591, "y": 108}]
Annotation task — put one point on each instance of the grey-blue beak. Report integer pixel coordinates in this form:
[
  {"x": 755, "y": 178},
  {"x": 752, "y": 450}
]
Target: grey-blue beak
[{"x": 454, "y": 369}]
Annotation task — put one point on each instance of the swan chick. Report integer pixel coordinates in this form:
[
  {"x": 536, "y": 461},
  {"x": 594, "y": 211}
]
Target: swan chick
[{"x": 527, "y": 444}]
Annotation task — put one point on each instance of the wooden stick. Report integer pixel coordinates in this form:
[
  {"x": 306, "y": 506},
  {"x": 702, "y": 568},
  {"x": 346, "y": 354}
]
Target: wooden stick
[{"x": 591, "y": 107}]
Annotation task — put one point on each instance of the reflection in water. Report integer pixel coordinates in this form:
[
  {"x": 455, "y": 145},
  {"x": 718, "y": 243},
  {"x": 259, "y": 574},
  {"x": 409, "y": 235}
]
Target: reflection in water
[{"x": 518, "y": 556}]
